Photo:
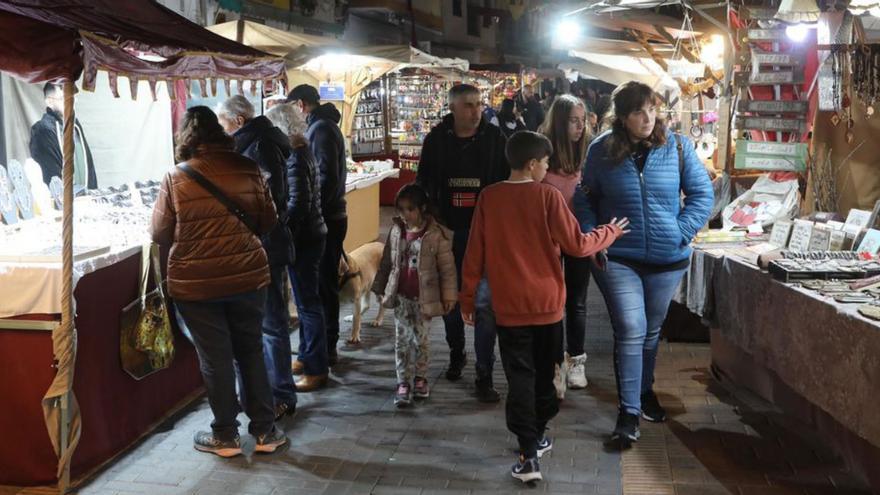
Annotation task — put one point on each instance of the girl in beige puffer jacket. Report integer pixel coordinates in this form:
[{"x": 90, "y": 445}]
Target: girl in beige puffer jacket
[{"x": 417, "y": 279}]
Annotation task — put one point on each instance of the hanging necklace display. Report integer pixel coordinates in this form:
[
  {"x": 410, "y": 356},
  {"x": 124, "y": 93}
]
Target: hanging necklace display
[
  {"x": 865, "y": 74},
  {"x": 7, "y": 201},
  {"x": 837, "y": 56},
  {"x": 847, "y": 99}
]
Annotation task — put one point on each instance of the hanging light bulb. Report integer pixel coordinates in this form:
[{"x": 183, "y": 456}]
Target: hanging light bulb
[
  {"x": 798, "y": 11},
  {"x": 797, "y": 32}
]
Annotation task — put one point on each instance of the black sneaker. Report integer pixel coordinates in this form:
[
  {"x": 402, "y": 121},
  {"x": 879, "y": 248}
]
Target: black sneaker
[
  {"x": 627, "y": 430},
  {"x": 526, "y": 470},
  {"x": 486, "y": 390},
  {"x": 545, "y": 445},
  {"x": 282, "y": 410},
  {"x": 457, "y": 361},
  {"x": 205, "y": 441},
  {"x": 270, "y": 442},
  {"x": 651, "y": 408}
]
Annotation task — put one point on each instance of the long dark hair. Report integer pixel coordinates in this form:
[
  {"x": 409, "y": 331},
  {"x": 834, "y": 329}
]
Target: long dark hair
[
  {"x": 568, "y": 157},
  {"x": 506, "y": 111},
  {"x": 626, "y": 99},
  {"x": 199, "y": 127},
  {"x": 416, "y": 194}
]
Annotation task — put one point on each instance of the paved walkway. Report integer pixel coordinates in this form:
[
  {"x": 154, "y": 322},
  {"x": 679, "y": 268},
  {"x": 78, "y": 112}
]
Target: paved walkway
[{"x": 350, "y": 439}]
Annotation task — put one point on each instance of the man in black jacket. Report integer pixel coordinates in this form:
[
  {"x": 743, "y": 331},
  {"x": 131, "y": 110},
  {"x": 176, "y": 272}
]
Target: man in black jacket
[
  {"x": 258, "y": 139},
  {"x": 532, "y": 111},
  {"x": 460, "y": 156},
  {"x": 327, "y": 144},
  {"x": 45, "y": 143}
]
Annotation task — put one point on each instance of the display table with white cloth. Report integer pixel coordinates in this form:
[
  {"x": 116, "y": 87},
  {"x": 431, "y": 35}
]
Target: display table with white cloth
[
  {"x": 362, "y": 196},
  {"x": 115, "y": 408}
]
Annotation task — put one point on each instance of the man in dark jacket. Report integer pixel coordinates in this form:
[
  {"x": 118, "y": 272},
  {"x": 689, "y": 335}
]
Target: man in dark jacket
[
  {"x": 258, "y": 139},
  {"x": 45, "y": 143},
  {"x": 328, "y": 146},
  {"x": 460, "y": 156},
  {"x": 532, "y": 111}
]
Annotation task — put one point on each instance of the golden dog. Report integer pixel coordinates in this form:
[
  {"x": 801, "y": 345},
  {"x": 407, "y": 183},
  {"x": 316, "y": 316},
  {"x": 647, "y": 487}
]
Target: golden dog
[{"x": 356, "y": 273}]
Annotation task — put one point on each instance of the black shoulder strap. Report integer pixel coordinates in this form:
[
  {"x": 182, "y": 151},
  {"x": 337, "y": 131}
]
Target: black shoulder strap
[
  {"x": 680, "y": 149},
  {"x": 233, "y": 207}
]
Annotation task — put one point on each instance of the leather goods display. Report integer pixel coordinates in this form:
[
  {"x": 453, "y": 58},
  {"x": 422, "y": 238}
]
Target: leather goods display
[{"x": 145, "y": 340}]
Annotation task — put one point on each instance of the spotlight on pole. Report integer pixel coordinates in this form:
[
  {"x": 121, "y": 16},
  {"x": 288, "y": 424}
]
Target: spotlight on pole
[{"x": 567, "y": 34}]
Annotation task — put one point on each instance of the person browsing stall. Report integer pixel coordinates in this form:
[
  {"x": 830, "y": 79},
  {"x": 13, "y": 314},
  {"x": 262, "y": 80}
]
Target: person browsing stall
[
  {"x": 519, "y": 230},
  {"x": 309, "y": 232},
  {"x": 217, "y": 274},
  {"x": 566, "y": 129},
  {"x": 640, "y": 169},
  {"x": 460, "y": 156},
  {"x": 328, "y": 147}
]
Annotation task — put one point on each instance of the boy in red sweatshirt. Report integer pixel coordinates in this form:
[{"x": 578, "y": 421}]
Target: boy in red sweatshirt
[{"x": 520, "y": 229}]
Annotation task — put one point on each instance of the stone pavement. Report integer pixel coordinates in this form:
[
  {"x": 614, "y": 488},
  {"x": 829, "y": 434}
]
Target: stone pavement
[{"x": 350, "y": 439}]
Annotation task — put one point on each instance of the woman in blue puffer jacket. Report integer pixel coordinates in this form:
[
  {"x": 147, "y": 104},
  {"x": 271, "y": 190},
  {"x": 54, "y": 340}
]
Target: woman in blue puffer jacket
[{"x": 639, "y": 170}]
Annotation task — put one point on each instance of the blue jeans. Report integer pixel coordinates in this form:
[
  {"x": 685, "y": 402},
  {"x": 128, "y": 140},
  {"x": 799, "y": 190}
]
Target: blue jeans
[
  {"x": 276, "y": 339},
  {"x": 485, "y": 330},
  {"x": 637, "y": 304},
  {"x": 304, "y": 276},
  {"x": 223, "y": 330}
]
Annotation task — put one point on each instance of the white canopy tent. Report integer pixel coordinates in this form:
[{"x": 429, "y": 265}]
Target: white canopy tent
[
  {"x": 618, "y": 69},
  {"x": 315, "y": 59}
]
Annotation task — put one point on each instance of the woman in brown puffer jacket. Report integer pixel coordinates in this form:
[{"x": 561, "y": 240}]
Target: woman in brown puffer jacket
[{"x": 217, "y": 274}]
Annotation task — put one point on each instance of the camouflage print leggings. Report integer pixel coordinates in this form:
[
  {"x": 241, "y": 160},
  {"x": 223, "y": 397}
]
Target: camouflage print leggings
[{"x": 411, "y": 340}]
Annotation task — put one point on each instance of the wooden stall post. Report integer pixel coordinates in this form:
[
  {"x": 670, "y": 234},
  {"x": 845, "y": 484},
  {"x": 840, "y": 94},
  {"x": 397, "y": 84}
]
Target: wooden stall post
[{"x": 67, "y": 325}]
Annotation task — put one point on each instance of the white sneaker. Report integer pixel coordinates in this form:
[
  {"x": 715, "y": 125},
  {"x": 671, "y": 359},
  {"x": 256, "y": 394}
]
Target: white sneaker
[
  {"x": 559, "y": 381},
  {"x": 576, "y": 375}
]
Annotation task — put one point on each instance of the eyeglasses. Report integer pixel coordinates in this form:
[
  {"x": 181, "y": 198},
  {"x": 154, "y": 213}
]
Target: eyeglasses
[{"x": 576, "y": 121}]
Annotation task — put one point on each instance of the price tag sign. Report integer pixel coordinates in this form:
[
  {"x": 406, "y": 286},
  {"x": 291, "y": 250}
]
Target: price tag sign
[
  {"x": 800, "y": 236},
  {"x": 780, "y": 233}
]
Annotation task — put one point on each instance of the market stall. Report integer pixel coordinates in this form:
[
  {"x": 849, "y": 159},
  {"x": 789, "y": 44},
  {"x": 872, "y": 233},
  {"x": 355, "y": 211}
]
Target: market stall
[
  {"x": 386, "y": 94},
  {"x": 93, "y": 408}
]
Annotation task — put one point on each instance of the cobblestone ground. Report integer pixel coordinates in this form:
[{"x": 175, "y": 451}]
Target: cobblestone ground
[{"x": 350, "y": 439}]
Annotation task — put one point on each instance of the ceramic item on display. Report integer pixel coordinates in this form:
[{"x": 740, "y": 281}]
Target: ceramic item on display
[
  {"x": 705, "y": 146},
  {"x": 21, "y": 189},
  {"x": 56, "y": 189},
  {"x": 7, "y": 200},
  {"x": 39, "y": 190}
]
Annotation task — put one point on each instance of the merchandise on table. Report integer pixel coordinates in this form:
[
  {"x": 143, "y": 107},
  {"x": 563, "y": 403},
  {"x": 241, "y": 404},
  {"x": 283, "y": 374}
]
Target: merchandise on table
[
  {"x": 369, "y": 129},
  {"x": 111, "y": 222},
  {"x": 788, "y": 270},
  {"x": 417, "y": 102}
]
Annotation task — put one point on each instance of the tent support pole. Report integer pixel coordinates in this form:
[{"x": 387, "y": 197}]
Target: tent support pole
[{"x": 67, "y": 268}]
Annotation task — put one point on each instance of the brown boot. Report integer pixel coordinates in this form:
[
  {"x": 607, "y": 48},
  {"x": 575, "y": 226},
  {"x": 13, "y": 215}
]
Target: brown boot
[
  {"x": 297, "y": 367},
  {"x": 310, "y": 383}
]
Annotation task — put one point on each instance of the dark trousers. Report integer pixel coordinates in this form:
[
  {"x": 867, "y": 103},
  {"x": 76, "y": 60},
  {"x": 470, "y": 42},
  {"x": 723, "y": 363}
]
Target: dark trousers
[
  {"x": 329, "y": 280},
  {"x": 223, "y": 330},
  {"x": 484, "y": 324},
  {"x": 528, "y": 355},
  {"x": 577, "y": 281},
  {"x": 276, "y": 339},
  {"x": 312, "y": 329}
]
